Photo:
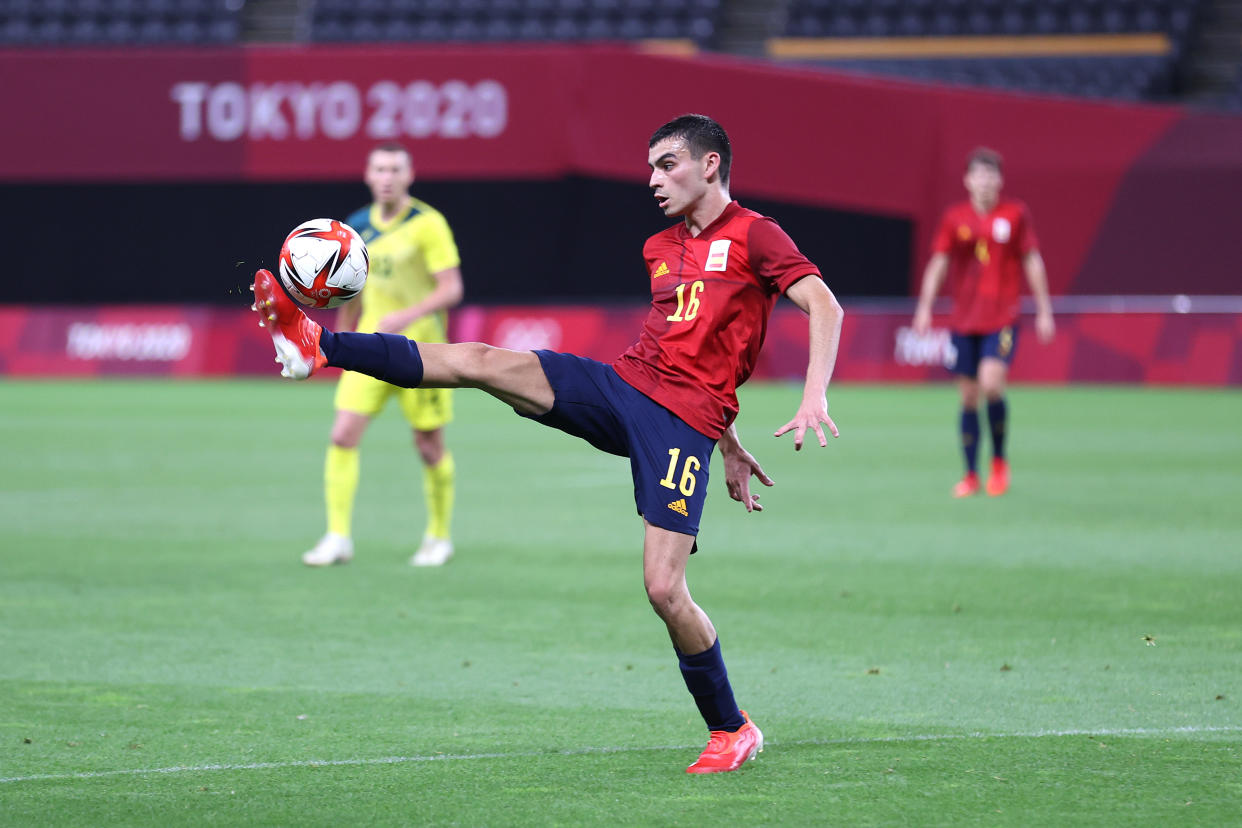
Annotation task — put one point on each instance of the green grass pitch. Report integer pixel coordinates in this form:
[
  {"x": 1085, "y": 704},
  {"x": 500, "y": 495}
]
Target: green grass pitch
[{"x": 1067, "y": 654}]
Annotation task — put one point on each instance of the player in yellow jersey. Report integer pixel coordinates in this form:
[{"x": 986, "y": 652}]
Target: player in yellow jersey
[{"x": 415, "y": 278}]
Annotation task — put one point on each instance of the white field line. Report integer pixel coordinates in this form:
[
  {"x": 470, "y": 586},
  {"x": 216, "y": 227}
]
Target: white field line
[{"x": 585, "y": 751}]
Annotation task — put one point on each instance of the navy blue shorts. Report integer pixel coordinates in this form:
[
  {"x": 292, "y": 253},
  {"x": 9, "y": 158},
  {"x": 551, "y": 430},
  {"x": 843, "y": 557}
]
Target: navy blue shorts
[
  {"x": 971, "y": 348},
  {"x": 669, "y": 459}
]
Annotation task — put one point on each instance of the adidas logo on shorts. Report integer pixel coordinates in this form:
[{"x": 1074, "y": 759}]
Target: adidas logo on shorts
[{"x": 679, "y": 506}]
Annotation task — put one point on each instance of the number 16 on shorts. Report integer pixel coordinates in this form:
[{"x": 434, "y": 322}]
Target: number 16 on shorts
[{"x": 684, "y": 483}]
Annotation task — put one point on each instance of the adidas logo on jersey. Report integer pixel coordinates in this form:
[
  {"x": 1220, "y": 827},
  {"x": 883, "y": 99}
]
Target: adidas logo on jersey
[
  {"x": 661, "y": 270},
  {"x": 679, "y": 506}
]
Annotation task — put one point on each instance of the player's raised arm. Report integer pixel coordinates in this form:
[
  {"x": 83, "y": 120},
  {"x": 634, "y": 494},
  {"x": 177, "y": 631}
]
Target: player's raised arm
[{"x": 816, "y": 300}]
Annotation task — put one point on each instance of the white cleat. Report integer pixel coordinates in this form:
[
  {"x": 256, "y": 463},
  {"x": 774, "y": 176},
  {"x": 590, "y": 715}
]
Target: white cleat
[
  {"x": 331, "y": 549},
  {"x": 433, "y": 552},
  {"x": 293, "y": 363}
]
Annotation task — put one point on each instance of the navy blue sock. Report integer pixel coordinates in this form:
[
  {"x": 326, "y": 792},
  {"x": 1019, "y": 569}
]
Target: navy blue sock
[
  {"x": 970, "y": 437},
  {"x": 998, "y": 412},
  {"x": 708, "y": 681},
  {"x": 388, "y": 357}
]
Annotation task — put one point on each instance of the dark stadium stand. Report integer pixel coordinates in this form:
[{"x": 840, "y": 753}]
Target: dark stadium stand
[
  {"x": 1234, "y": 99},
  {"x": 509, "y": 20},
  {"x": 1124, "y": 78},
  {"x": 914, "y": 18},
  {"x": 118, "y": 22},
  {"x": 1125, "y": 49}
]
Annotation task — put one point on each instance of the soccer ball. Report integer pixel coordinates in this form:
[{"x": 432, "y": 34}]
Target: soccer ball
[{"x": 323, "y": 263}]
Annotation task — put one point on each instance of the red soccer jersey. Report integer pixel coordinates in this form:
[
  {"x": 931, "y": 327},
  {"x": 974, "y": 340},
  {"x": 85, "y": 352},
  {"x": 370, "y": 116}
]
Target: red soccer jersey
[
  {"x": 711, "y": 296},
  {"x": 985, "y": 262}
]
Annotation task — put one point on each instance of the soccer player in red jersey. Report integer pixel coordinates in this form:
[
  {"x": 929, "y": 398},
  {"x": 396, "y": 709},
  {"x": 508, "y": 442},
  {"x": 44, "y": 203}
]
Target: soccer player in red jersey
[
  {"x": 984, "y": 244},
  {"x": 665, "y": 403}
]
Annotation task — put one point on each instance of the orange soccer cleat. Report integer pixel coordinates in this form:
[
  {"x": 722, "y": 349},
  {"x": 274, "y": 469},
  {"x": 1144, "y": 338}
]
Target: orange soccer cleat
[
  {"x": 727, "y": 751},
  {"x": 294, "y": 335},
  {"x": 967, "y": 486},
  {"x": 998, "y": 480}
]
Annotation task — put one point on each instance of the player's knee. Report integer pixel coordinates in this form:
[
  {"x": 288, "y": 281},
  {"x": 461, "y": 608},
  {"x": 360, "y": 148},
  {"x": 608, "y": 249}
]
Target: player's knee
[
  {"x": 430, "y": 450},
  {"x": 665, "y": 596},
  {"x": 473, "y": 363},
  {"x": 346, "y": 436},
  {"x": 494, "y": 363},
  {"x": 968, "y": 389},
  {"x": 993, "y": 386}
]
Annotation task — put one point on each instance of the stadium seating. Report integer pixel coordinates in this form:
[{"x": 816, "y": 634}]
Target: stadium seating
[
  {"x": 1233, "y": 100},
  {"x": 912, "y": 18},
  {"x": 71, "y": 22},
  {"x": 1146, "y": 72},
  {"x": 1124, "y": 78},
  {"x": 513, "y": 20},
  {"x": 1126, "y": 49},
  {"x": 118, "y": 22}
]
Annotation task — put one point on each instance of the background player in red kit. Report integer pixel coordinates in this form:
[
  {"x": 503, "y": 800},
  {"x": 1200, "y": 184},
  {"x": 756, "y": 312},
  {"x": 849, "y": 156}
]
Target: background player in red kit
[
  {"x": 665, "y": 403},
  {"x": 983, "y": 244}
]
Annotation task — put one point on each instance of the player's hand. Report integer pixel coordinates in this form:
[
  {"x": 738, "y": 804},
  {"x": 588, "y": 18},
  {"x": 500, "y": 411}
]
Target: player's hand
[
  {"x": 1045, "y": 327},
  {"x": 922, "y": 321},
  {"x": 812, "y": 415},
  {"x": 739, "y": 465},
  {"x": 393, "y": 323}
]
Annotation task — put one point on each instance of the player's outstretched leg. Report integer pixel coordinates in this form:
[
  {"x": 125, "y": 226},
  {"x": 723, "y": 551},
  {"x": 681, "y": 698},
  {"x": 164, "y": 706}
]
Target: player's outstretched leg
[
  {"x": 303, "y": 347},
  {"x": 294, "y": 335}
]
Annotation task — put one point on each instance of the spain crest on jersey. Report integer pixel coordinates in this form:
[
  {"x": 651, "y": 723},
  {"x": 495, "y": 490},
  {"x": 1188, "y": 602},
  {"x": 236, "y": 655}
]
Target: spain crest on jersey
[
  {"x": 718, "y": 255},
  {"x": 1001, "y": 230}
]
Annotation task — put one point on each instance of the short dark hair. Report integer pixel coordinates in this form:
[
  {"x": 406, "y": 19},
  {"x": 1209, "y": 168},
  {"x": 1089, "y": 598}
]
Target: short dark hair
[
  {"x": 392, "y": 146},
  {"x": 986, "y": 156},
  {"x": 701, "y": 134}
]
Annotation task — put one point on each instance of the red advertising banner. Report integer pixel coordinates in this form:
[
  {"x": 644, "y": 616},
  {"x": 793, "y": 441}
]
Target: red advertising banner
[
  {"x": 1155, "y": 348},
  {"x": 1091, "y": 172},
  {"x": 130, "y": 340},
  {"x": 255, "y": 114},
  {"x": 1150, "y": 347}
]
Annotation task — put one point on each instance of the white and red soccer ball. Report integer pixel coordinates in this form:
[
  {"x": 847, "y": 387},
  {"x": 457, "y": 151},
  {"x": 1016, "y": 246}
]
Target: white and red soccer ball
[{"x": 323, "y": 263}]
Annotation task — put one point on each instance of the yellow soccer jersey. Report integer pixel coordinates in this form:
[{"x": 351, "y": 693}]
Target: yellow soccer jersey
[{"x": 405, "y": 253}]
